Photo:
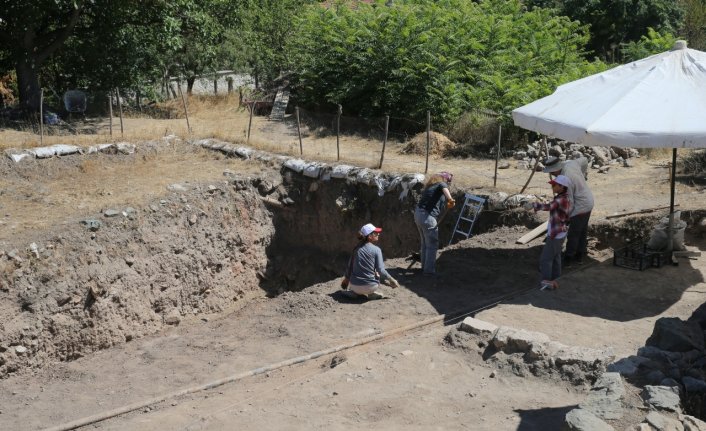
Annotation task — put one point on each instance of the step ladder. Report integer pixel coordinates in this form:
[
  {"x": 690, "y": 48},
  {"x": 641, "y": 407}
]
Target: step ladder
[
  {"x": 472, "y": 206},
  {"x": 280, "y": 105}
]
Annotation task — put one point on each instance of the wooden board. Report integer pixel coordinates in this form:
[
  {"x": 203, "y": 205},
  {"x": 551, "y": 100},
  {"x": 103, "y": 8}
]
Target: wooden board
[{"x": 533, "y": 234}]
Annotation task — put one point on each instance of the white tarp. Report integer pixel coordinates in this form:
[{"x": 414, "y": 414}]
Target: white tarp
[{"x": 656, "y": 102}]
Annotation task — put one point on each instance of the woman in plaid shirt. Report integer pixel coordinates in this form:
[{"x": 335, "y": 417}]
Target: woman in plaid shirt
[{"x": 559, "y": 209}]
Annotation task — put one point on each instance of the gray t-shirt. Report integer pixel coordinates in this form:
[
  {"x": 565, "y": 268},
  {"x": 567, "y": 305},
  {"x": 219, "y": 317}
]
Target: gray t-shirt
[
  {"x": 580, "y": 195},
  {"x": 364, "y": 262}
]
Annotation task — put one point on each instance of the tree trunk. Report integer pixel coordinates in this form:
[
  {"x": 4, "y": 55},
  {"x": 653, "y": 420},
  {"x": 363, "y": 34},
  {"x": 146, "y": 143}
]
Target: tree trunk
[
  {"x": 28, "y": 84},
  {"x": 190, "y": 84}
]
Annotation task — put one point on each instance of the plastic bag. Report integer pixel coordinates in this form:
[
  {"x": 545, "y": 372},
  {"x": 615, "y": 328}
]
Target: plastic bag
[{"x": 660, "y": 235}]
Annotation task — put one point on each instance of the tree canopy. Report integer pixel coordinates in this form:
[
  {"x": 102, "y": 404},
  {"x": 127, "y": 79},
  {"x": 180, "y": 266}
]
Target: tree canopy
[
  {"x": 402, "y": 57},
  {"x": 448, "y": 56},
  {"x": 616, "y": 22}
]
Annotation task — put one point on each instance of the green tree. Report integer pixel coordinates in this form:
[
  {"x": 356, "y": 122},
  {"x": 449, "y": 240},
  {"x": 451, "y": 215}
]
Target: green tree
[
  {"x": 31, "y": 31},
  {"x": 447, "y": 56},
  {"x": 693, "y": 27},
  {"x": 615, "y": 22},
  {"x": 201, "y": 26},
  {"x": 259, "y": 41},
  {"x": 652, "y": 43},
  {"x": 102, "y": 44}
]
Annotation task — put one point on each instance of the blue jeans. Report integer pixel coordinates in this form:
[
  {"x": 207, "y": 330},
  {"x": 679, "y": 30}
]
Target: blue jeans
[
  {"x": 550, "y": 261},
  {"x": 429, "y": 234}
]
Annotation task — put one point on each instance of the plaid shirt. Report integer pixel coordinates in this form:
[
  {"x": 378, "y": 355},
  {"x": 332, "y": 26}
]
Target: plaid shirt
[{"x": 559, "y": 210}]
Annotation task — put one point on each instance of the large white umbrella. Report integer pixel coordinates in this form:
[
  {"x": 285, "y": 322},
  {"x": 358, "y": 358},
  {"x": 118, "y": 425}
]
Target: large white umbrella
[{"x": 656, "y": 102}]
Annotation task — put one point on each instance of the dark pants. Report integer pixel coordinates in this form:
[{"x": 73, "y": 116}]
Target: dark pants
[
  {"x": 550, "y": 260},
  {"x": 577, "y": 237}
]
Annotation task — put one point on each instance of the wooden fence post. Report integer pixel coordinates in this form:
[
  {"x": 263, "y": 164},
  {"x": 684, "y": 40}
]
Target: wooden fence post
[
  {"x": 110, "y": 112},
  {"x": 120, "y": 110},
  {"x": 41, "y": 117},
  {"x": 338, "y": 132},
  {"x": 497, "y": 155},
  {"x": 186, "y": 111},
  {"x": 299, "y": 132},
  {"x": 426, "y": 166},
  {"x": 252, "y": 109},
  {"x": 384, "y": 140}
]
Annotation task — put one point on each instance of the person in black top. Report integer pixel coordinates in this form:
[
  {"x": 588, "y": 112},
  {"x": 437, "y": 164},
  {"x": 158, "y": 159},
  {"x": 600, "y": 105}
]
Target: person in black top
[{"x": 434, "y": 200}]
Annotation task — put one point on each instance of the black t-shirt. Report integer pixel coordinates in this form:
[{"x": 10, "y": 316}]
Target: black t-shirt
[{"x": 433, "y": 199}]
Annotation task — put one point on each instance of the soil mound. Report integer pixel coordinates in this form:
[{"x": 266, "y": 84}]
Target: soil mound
[{"x": 439, "y": 145}]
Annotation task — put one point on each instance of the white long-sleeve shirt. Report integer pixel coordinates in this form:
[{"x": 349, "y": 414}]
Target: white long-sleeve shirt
[{"x": 580, "y": 195}]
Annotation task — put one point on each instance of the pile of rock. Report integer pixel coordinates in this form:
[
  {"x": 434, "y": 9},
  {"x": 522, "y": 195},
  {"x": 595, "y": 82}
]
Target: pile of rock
[
  {"x": 527, "y": 352},
  {"x": 601, "y": 158},
  {"x": 669, "y": 371},
  {"x": 673, "y": 362}
]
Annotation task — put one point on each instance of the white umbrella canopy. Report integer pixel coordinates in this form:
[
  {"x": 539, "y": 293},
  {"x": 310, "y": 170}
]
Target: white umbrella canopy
[{"x": 656, "y": 102}]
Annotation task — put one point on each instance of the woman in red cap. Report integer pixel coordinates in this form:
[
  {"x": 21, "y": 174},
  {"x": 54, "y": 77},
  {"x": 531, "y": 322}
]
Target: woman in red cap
[{"x": 366, "y": 267}]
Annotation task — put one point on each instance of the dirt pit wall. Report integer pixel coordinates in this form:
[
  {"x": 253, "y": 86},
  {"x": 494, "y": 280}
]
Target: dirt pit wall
[
  {"x": 107, "y": 280},
  {"x": 200, "y": 248},
  {"x": 99, "y": 281}
]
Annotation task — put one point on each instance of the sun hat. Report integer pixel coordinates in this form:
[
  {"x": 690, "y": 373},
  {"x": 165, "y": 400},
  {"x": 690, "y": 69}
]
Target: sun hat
[
  {"x": 368, "y": 229},
  {"x": 553, "y": 164},
  {"x": 562, "y": 180}
]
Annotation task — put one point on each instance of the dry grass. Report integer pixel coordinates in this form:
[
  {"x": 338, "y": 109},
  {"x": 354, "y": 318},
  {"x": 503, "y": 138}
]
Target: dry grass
[
  {"x": 39, "y": 193},
  {"x": 656, "y": 153},
  {"x": 219, "y": 117}
]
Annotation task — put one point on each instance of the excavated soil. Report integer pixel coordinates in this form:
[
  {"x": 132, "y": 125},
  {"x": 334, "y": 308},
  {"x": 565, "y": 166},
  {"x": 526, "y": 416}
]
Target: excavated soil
[
  {"x": 156, "y": 288},
  {"x": 439, "y": 145}
]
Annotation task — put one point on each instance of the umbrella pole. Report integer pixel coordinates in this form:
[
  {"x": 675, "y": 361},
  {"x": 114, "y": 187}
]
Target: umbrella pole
[{"x": 670, "y": 234}]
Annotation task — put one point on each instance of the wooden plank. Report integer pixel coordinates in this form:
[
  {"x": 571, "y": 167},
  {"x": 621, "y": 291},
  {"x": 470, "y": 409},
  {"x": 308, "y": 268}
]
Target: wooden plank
[
  {"x": 639, "y": 212},
  {"x": 533, "y": 234}
]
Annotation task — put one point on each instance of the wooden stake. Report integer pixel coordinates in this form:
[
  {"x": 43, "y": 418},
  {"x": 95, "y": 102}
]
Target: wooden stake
[
  {"x": 534, "y": 168},
  {"x": 186, "y": 111},
  {"x": 110, "y": 112},
  {"x": 41, "y": 116},
  {"x": 299, "y": 132},
  {"x": 338, "y": 132},
  {"x": 252, "y": 109},
  {"x": 648, "y": 210},
  {"x": 497, "y": 155},
  {"x": 384, "y": 140},
  {"x": 426, "y": 166},
  {"x": 120, "y": 110}
]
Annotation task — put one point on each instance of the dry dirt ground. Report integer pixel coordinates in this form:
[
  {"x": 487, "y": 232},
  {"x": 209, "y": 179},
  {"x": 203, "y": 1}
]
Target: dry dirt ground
[{"x": 405, "y": 380}]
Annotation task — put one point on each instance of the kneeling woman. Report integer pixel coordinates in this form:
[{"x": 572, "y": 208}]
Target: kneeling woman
[{"x": 366, "y": 267}]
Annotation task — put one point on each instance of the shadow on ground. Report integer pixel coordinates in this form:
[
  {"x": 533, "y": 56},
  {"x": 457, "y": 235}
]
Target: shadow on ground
[
  {"x": 542, "y": 419},
  {"x": 478, "y": 277}
]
